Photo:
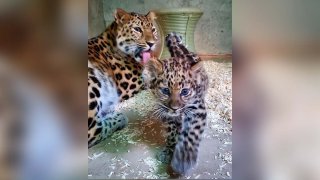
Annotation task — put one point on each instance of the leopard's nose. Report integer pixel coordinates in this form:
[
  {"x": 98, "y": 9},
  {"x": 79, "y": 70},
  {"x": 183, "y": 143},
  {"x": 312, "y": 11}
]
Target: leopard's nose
[{"x": 150, "y": 44}]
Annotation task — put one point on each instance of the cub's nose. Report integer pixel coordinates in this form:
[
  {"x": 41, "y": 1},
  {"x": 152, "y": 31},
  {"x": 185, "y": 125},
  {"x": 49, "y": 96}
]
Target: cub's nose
[
  {"x": 174, "y": 108},
  {"x": 150, "y": 44}
]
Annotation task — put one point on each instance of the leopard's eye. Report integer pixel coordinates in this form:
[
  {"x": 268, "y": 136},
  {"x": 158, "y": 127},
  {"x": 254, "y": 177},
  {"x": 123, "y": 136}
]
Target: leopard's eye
[
  {"x": 165, "y": 91},
  {"x": 137, "y": 29},
  {"x": 184, "y": 92}
]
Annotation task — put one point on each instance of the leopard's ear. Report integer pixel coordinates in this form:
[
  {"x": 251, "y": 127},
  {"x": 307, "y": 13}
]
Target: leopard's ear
[
  {"x": 151, "y": 70},
  {"x": 151, "y": 15},
  {"x": 121, "y": 16}
]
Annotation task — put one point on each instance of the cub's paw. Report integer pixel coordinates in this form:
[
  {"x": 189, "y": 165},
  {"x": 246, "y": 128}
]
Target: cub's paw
[
  {"x": 165, "y": 155},
  {"x": 173, "y": 37},
  {"x": 177, "y": 37},
  {"x": 183, "y": 159}
]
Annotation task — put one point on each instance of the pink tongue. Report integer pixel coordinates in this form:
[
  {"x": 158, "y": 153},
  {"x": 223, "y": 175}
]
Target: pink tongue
[{"x": 145, "y": 57}]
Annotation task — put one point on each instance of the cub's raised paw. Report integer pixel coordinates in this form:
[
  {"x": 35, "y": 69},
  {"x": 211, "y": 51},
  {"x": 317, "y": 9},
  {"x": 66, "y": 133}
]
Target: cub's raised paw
[{"x": 173, "y": 37}]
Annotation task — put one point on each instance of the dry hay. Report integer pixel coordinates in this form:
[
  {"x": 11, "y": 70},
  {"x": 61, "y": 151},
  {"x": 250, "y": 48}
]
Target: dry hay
[{"x": 219, "y": 96}]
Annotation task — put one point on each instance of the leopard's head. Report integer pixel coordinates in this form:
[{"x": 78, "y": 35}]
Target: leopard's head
[
  {"x": 136, "y": 34},
  {"x": 174, "y": 84}
]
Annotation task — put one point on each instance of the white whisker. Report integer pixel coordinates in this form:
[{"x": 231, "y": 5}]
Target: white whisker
[
  {"x": 188, "y": 112},
  {"x": 157, "y": 112}
]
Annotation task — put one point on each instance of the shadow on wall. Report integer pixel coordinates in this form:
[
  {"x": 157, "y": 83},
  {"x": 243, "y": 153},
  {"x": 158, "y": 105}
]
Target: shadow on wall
[{"x": 213, "y": 34}]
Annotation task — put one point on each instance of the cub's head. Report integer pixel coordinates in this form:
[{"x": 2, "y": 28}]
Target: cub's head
[
  {"x": 174, "y": 84},
  {"x": 136, "y": 34}
]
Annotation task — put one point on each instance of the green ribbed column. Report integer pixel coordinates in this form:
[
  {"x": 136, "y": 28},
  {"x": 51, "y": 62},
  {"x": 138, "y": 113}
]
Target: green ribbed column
[{"x": 180, "y": 20}]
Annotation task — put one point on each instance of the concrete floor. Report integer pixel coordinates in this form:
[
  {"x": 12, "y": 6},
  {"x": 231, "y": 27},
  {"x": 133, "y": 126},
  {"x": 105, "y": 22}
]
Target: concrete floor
[{"x": 131, "y": 152}]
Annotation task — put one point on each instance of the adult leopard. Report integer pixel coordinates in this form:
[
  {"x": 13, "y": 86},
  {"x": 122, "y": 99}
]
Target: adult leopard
[{"x": 115, "y": 61}]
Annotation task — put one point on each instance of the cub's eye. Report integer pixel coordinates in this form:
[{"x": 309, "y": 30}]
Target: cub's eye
[
  {"x": 137, "y": 29},
  {"x": 165, "y": 91},
  {"x": 184, "y": 92}
]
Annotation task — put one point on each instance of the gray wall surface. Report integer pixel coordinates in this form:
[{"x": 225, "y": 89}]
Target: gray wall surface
[{"x": 213, "y": 34}]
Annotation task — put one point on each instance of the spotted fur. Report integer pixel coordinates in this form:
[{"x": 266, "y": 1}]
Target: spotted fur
[
  {"x": 179, "y": 85},
  {"x": 114, "y": 70}
]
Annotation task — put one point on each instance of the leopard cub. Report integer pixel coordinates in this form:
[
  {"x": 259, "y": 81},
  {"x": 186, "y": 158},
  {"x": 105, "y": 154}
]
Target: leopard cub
[{"x": 179, "y": 84}]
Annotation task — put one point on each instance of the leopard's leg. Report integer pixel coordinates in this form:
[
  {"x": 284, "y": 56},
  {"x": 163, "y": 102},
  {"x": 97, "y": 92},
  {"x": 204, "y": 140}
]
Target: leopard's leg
[
  {"x": 186, "y": 150},
  {"x": 100, "y": 128},
  {"x": 102, "y": 98},
  {"x": 172, "y": 130}
]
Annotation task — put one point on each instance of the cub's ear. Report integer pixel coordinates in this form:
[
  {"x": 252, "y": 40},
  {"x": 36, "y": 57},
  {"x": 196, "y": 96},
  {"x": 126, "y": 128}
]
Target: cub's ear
[
  {"x": 121, "y": 16},
  {"x": 151, "y": 15},
  {"x": 193, "y": 58},
  {"x": 152, "y": 69},
  {"x": 196, "y": 66},
  {"x": 196, "y": 69},
  {"x": 155, "y": 66}
]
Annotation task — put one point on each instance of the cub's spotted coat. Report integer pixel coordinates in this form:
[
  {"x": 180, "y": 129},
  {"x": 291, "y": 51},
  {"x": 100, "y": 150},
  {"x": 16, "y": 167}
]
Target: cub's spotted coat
[
  {"x": 114, "y": 70},
  {"x": 179, "y": 85}
]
